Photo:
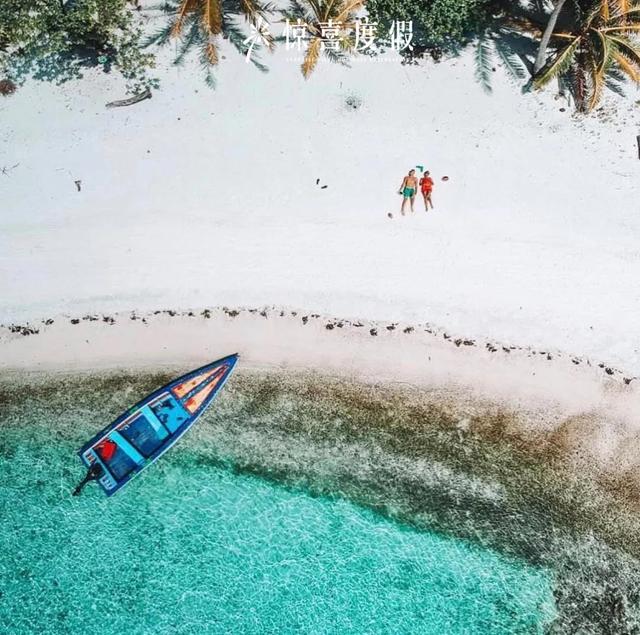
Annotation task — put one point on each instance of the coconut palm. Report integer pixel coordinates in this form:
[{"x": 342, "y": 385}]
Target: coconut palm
[
  {"x": 594, "y": 42},
  {"x": 201, "y": 24},
  {"x": 315, "y": 15}
]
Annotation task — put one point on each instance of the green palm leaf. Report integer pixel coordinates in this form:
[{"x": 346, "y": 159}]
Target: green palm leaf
[
  {"x": 483, "y": 62},
  {"x": 559, "y": 65},
  {"x": 627, "y": 47}
]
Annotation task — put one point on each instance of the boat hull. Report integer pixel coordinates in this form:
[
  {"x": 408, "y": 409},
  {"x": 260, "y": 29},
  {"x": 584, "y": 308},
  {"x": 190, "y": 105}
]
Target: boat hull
[{"x": 143, "y": 433}]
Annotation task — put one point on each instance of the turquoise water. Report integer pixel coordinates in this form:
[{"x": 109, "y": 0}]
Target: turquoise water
[
  {"x": 192, "y": 547},
  {"x": 275, "y": 515}
]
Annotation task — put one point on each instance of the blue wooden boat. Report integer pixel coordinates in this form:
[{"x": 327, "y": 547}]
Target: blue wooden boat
[{"x": 142, "y": 434}]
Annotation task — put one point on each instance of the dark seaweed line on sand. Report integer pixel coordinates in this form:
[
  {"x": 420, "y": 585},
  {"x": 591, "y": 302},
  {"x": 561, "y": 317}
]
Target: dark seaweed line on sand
[{"x": 330, "y": 324}]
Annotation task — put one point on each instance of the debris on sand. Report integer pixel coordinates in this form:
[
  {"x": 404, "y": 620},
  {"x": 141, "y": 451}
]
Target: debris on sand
[
  {"x": 7, "y": 87},
  {"x": 119, "y": 103}
]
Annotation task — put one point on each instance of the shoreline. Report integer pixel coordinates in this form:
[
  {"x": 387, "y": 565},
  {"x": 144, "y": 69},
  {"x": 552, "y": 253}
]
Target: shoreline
[{"x": 591, "y": 405}]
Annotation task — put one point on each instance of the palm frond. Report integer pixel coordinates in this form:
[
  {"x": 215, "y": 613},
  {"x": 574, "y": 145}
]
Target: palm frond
[
  {"x": 627, "y": 66},
  {"x": 211, "y": 51},
  {"x": 252, "y": 10},
  {"x": 483, "y": 62},
  {"x": 210, "y": 78},
  {"x": 591, "y": 17},
  {"x": 187, "y": 43},
  {"x": 627, "y": 48},
  {"x": 212, "y": 17},
  {"x": 623, "y": 29},
  {"x": 346, "y": 12},
  {"x": 558, "y": 65},
  {"x": 160, "y": 37},
  {"x": 603, "y": 59},
  {"x": 205, "y": 64},
  {"x": 521, "y": 24},
  {"x": 511, "y": 61},
  {"x": 185, "y": 7},
  {"x": 628, "y": 8},
  {"x": 337, "y": 57},
  {"x": 615, "y": 81},
  {"x": 299, "y": 10},
  {"x": 596, "y": 76},
  {"x": 311, "y": 57}
]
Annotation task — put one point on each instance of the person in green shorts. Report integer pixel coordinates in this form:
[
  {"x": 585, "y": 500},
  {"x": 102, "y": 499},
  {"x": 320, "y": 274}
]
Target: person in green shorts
[{"x": 408, "y": 189}]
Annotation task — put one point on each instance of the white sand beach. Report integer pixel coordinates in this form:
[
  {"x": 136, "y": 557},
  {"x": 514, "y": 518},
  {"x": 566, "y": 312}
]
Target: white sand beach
[
  {"x": 200, "y": 198},
  {"x": 209, "y": 198}
]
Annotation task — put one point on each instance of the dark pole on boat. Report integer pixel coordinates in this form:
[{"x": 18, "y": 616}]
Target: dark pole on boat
[{"x": 93, "y": 473}]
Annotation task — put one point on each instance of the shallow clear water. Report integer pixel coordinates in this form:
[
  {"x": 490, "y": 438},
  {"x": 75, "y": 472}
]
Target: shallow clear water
[
  {"x": 188, "y": 546},
  {"x": 191, "y": 547}
]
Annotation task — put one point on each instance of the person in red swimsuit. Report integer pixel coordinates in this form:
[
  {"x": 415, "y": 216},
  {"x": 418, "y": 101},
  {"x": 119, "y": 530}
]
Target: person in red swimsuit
[{"x": 426, "y": 187}]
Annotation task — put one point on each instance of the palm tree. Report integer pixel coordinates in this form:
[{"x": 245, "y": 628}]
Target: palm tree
[
  {"x": 315, "y": 15},
  {"x": 592, "y": 45},
  {"x": 202, "y": 23}
]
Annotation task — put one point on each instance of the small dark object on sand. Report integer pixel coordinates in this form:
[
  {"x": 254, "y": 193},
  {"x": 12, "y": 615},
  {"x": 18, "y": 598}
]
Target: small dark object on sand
[
  {"x": 324, "y": 187},
  {"x": 145, "y": 94},
  {"x": 390, "y": 215},
  {"x": 317, "y": 181},
  {"x": 445, "y": 178},
  {"x": 7, "y": 87},
  {"x": 78, "y": 185},
  {"x": 5, "y": 170}
]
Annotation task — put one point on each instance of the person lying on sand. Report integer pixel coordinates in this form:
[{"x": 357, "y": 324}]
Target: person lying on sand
[
  {"x": 426, "y": 187},
  {"x": 408, "y": 189}
]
